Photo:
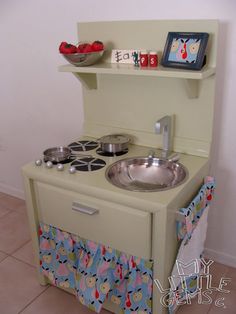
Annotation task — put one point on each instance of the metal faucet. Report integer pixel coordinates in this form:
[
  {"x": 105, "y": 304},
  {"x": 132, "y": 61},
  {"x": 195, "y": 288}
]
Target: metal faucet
[{"x": 164, "y": 126}]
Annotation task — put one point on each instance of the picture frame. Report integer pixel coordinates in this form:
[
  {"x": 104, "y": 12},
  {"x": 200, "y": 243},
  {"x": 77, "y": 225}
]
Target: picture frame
[{"x": 185, "y": 50}]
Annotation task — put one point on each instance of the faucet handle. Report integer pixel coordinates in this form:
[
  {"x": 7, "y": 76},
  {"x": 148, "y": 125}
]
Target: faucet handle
[
  {"x": 164, "y": 125},
  {"x": 158, "y": 127},
  {"x": 151, "y": 154},
  {"x": 174, "y": 158},
  {"x": 164, "y": 122}
]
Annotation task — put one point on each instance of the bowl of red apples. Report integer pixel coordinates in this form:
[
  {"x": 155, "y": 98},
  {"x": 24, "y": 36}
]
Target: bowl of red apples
[{"x": 83, "y": 54}]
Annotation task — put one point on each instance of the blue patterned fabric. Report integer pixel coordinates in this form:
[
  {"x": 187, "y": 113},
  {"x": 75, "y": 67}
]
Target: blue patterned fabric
[
  {"x": 94, "y": 272},
  {"x": 195, "y": 209}
]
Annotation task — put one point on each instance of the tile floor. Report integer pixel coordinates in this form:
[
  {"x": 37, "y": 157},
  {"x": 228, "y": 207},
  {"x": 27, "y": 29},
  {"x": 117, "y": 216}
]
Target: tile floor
[{"x": 20, "y": 292}]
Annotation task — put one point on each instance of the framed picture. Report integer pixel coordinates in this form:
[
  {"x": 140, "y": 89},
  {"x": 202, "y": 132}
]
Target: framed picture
[{"x": 185, "y": 50}]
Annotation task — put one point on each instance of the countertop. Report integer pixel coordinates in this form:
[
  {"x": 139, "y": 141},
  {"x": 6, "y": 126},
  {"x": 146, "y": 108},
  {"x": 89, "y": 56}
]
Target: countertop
[{"x": 96, "y": 185}]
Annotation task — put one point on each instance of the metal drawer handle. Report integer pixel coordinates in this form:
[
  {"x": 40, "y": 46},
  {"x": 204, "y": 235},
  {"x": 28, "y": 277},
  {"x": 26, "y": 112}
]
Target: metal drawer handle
[{"x": 84, "y": 209}]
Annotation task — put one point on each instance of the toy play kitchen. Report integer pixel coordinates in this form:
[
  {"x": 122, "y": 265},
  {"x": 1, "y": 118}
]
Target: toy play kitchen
[{"x": 103, "y": 219}]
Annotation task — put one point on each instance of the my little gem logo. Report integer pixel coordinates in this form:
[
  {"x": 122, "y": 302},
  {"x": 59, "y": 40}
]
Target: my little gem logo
[{"x": 193, "y": 280}]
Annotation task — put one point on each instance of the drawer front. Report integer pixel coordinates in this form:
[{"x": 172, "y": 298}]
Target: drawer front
[{"x": 122, "y": 228}]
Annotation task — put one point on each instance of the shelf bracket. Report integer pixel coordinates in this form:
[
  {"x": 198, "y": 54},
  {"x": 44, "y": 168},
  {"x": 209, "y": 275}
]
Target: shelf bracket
[
  {"x": 192, "y": 87},
  {"x": 88, "y": 80}
]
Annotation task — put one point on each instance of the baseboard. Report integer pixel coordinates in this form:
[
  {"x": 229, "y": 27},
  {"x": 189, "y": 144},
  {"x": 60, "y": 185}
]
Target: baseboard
[
  {"x": 12, "y": 191},
  {"x": 220, "y": 257}
]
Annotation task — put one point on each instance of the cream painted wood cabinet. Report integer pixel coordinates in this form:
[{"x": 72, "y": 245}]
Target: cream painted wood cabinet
[
  {"x": 136, "y": 224},
  {"x": 121, "y": 99}
]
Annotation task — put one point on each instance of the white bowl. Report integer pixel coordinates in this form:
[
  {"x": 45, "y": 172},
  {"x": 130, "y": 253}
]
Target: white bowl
[{"x": 83, "y": 59}]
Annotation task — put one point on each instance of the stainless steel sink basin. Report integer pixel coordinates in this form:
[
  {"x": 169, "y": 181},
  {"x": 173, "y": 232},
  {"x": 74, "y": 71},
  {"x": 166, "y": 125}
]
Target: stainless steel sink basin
[{"x": 146, "y": 174}]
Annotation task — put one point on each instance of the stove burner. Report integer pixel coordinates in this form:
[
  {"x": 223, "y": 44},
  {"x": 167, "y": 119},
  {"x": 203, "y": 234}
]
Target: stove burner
[
  {"x": 82, "y": 146},
  {"x": 88, "y": 164},
  {"x": 66, "y": 161},
  {"x": 107, "y": 154}
]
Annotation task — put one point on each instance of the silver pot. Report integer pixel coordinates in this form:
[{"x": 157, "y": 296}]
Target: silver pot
[
  {"x": 60, "y": 153},
  {"x": 113, "y": 143}
]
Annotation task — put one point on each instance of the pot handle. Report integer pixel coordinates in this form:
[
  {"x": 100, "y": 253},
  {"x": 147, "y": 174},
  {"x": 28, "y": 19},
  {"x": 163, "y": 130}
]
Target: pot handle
[{"x": 80, "y": 155}]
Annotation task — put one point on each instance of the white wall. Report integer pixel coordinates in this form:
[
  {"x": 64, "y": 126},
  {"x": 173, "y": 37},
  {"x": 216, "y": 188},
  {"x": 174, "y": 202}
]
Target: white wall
[{"x": 40, "y": 107}]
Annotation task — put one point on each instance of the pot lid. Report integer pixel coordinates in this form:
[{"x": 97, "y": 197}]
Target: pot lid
[{"x": 114, "y": 139}]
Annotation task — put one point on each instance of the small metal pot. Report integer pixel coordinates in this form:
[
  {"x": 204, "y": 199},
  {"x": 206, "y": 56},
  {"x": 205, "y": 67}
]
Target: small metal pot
[
  {"x": 113, "y": 143},
  {"x": 60, "y": 154}
]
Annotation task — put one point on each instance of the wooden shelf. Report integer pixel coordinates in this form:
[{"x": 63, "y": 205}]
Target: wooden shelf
[
  {"x": 88, "y": 75},
  {"x": 124, "y": 69}
]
